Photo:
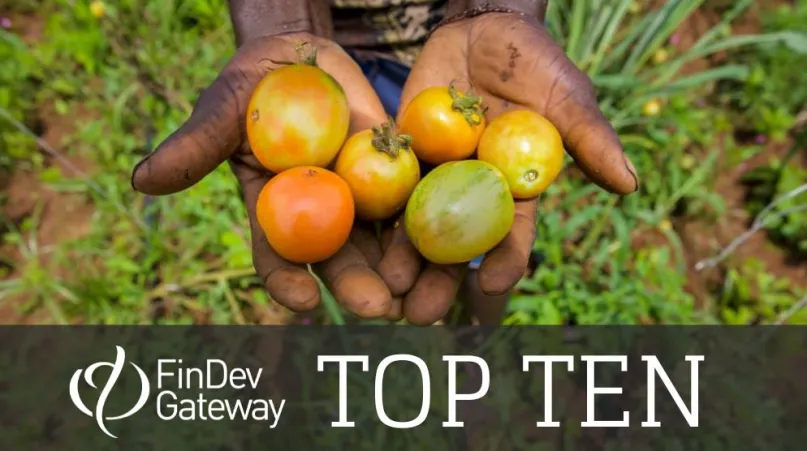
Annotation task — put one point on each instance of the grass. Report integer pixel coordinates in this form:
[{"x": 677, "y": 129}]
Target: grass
[{"x": 128, "y": 79}]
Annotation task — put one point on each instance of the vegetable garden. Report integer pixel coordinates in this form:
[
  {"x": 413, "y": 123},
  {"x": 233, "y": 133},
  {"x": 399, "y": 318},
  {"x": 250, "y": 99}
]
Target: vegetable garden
[{"x": 707, "y": 97}]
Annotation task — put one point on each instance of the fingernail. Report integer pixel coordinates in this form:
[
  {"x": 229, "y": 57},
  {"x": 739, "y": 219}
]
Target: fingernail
[
  {"x": 632, "y": 170},
  {"x": 136, "y": 169}
]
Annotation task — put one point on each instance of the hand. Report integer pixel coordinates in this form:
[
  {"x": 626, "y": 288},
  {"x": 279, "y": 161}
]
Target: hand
[
  {"x": 215, "y": 132},
  {"x": 511, "y": 62}
]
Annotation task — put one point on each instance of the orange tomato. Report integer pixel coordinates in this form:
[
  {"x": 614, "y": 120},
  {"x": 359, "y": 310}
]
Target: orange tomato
[
  {"x": 526, "y": 147},
  {"x": 298, "y": 115},
  {"x": 306, "y": 213},
  {"x": 380, "y": 169},
  {"x": 445, "y": 124}
]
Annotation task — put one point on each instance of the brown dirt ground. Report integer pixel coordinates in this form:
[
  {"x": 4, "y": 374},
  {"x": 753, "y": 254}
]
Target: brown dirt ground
[
  {"x": 704, "y": 239},
  {"x": 64, "y": 216}
]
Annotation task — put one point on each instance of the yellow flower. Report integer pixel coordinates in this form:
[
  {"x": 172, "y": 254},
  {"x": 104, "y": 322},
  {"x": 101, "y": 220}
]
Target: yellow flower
[
  {"x": 97, "y": 8},
  {"x": 665, "y": 225},
  {"x": 635, "y": 7},
  {"x": 651, "y": 108},
  {"x": 660, "y": 56},
  {"x": 688, "y": 162}
]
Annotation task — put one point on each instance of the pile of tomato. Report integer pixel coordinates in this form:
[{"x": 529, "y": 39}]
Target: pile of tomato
[{"x": 297, "y": 126}]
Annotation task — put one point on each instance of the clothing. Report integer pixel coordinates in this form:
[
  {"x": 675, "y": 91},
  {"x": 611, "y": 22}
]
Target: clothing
[
  {"x": 387, "y": 78},
  {"x": 391, "y": 28}
]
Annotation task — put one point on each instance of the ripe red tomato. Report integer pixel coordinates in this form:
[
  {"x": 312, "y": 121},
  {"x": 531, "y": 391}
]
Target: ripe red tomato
[
  {"x": 526, "y": 147},
  {"x": 380, "y": 169},
  {"x": 460, "y": 210},
  {"x": 298, "y": 116},
  {"x": 306, "y": 213},
  {"x": 445, "y": 124}
]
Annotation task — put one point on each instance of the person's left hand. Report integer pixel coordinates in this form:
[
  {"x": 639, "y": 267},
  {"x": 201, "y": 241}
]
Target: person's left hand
[{"x": 512, "y": 62}]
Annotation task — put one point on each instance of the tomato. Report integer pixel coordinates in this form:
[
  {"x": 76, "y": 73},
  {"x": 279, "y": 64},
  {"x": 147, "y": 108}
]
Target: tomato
[
  {"x": 380, "y": 169},
  {"x": 306, "y": 213},
  {"x": 298, "y": 116},
  {"x": 445, "y": 124},
  {"x": 459, "y": 211},
  {"x": 527, "y": 148}
]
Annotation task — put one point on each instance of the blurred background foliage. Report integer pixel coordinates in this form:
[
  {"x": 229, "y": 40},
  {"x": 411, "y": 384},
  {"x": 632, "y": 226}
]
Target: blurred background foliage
[{"x": 707, "y": 96}]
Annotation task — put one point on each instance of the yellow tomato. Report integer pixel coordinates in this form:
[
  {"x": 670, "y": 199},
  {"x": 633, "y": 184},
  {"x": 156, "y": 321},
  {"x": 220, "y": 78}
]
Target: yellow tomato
[
  {"x": 298, "y": 115},
  {"x": 380, "y": 169},
  {"x": 527, "y": 148}
]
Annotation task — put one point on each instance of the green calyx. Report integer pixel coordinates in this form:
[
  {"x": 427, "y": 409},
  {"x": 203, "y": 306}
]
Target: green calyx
[
  {"x": 470, "y": 106},
  {"x": 387, "y": 140},
  {"x": 308, "y": 59}
]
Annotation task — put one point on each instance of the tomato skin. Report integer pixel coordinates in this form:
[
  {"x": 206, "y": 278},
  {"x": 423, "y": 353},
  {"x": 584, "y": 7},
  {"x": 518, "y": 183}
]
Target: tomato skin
[
  {"x": 381, "y": 184},
  {"x": 306, "y": 213},
  {"x": 459, "y": 211},
  {"x": 298, "y": 115},
  {"x": 439, "y": 133},
  {"x": 527, "y": 148}
]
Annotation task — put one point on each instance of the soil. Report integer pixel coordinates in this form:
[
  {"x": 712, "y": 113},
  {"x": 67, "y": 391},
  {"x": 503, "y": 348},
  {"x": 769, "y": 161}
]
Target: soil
[
  {"x": 63, "y": 217},
  {"x": 702, "y": 238}
]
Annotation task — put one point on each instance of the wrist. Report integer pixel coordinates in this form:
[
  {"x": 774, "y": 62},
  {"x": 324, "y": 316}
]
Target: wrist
[
  {"x": 465, "y": 9},
  {"x": 254, "y": 19}
]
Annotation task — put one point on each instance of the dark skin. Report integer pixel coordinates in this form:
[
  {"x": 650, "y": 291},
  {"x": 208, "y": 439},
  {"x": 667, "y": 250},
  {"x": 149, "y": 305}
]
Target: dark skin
[{"x": 508, "y": 58}]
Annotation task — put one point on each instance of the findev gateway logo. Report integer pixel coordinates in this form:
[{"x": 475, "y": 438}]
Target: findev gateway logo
[
  {"x": 117, "y": 368},
  {"x": 215, "y": 375}
]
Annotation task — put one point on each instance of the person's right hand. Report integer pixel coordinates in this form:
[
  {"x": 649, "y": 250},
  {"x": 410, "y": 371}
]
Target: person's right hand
[{"x": 215, "y": 132}]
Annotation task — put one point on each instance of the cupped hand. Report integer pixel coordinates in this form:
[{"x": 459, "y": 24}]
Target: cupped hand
[
  {"x": 215, "y": 132},
  {"x": 512, "y": 62}
]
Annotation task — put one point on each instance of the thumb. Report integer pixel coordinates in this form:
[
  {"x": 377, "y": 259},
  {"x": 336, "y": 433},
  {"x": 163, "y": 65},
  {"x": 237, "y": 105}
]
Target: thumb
[
  {"x": 542, "y": 78},
  {"x": 208, "y": 138},
  {"x": 571, "y": 105}
]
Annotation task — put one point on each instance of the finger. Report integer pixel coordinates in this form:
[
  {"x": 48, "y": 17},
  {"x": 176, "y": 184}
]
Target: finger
[
  {"x": 365, "y": 239},
  {"x": 588, "y": 137},
  {"x": 434, "y": 292},
  {"x": 486, "y": 309},
  {"x": 354, "y": 285},
  {"x": 395, "y": 312},
  {"x": 541, "y": 77},
  {"x": 289, "y": 284},
  {"x": 504, "y": 265},
  {"x": 386, "y": 238},
  {"x": 210, "y": 136},
  {"x": 401, "y": 263}
]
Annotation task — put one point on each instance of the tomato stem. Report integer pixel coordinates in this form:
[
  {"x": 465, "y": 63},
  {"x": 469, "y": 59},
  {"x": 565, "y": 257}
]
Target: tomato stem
[
  {"x": 310, "y": 59},
  {"x": 470, "y": 106},
  {"x": 387, "y": 140}
]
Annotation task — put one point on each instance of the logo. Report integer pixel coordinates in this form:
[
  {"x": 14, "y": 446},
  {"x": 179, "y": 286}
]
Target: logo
[{"x": 117, "y": 368}]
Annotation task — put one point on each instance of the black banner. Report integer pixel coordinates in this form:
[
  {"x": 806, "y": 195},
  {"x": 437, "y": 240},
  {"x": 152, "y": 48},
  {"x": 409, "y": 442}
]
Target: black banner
[{"x": 402, "y": 388}]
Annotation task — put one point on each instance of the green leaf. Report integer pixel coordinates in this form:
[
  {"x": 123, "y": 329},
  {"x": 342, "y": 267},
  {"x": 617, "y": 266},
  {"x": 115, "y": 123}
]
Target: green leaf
[
  {"x": 550, "y": 315},
  {"x": 51, "y": 174},
  {"x": 795, "y": 41}
]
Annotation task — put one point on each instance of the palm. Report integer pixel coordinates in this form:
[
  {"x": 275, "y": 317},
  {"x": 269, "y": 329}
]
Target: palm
[
  {"x": 512, "y": 63},
  {"x": 215, "y": 133}
]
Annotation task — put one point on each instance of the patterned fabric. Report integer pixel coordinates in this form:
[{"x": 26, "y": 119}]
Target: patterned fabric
[{"x": 394, "y": 28}]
